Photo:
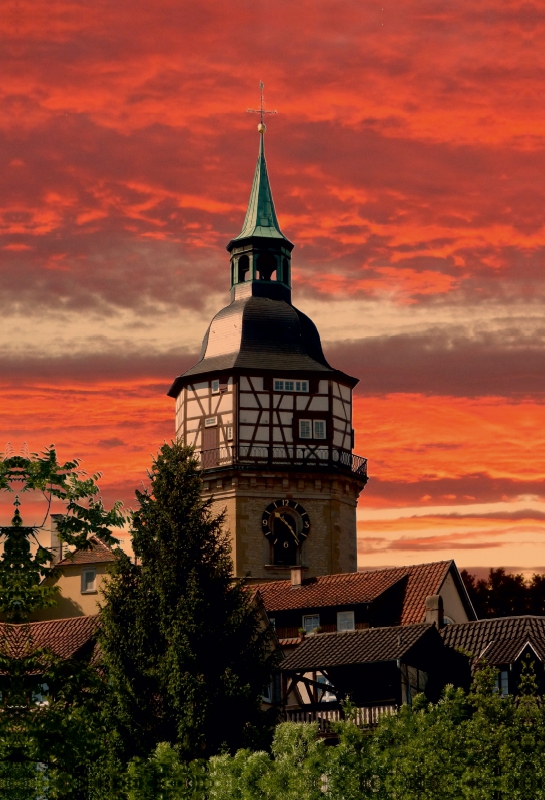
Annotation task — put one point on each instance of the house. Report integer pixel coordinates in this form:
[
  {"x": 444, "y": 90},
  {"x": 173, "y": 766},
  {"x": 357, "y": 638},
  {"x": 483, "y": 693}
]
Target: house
[
  {"x": 360, "y": 600},
  {"x": 80, "y": 576},
  {"x": 503, "y": 643},
  {"x": 377, "y": 669},
  {"x": 66, "y": 638}
]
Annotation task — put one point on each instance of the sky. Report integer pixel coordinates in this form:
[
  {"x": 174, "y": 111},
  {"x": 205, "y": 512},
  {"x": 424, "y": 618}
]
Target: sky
[{"x": 406, "y": 162}]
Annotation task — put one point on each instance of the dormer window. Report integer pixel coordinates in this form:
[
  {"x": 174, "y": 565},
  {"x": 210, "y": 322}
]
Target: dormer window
[{"x": 290, "y": 386}]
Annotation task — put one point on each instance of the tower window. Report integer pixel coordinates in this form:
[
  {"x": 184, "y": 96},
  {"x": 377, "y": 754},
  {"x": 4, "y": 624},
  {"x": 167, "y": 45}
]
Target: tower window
[
  {"x": 312, "y": 429},
  {"x": 319, "y": 429},
  {"x": 290, "y": 386},
  {"x": 305, "y": 428},
  {"x": 266, "y": 266},
  {"x": 243, "y": 268}
]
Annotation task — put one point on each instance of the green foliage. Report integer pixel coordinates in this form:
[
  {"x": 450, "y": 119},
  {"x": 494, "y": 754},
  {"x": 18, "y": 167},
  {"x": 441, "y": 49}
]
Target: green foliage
[
  {"x": 182, "y": 644},
  {"x": 21, "y": 569},
  {"x": 478, "y": 746},
  {"x": 50, "y": 718}
]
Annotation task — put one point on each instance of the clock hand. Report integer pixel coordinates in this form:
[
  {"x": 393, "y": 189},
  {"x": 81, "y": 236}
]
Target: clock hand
[{"x": 289, "y": 526}]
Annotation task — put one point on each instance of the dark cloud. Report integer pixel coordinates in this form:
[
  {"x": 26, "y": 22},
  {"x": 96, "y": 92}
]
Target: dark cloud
[
  {"x": 455, "y": 491},
  {"x": 92, "y": 368},
  {"x": 508, "y": 363},
  {"x": 415, "y": 544},
  {"x": 109, "y": 443}
]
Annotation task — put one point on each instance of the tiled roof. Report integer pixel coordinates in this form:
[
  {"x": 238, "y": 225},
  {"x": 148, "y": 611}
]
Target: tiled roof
[
  {"x": 424, "y": 580},
  {"x": 360, "y": 587},
  {"x": 63, "y": 636},
  {"x": 291, "y": 641},
  {"x": 97, "y": 553},
  {"x": 323, "y": 650},
  {"x": 328, "y": 590},
  {"x": 270, "y": 334},
  {"x": 499, "y": 640}
]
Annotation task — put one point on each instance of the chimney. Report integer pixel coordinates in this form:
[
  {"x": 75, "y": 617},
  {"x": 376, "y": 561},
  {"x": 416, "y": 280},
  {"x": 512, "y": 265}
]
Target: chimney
[
  {"x": 56, "y": 544},
  {"x": 296, "y": 577},
  {"x": 434, "y": 610}
]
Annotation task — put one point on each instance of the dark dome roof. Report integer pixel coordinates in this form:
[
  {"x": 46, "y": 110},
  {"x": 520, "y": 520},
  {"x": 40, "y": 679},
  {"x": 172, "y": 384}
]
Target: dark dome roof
[{"x": 260, "y": 333}]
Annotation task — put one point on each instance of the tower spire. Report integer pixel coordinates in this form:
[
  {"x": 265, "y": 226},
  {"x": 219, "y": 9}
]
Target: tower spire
[
  {"x": 261, "y": 219},
  {"x": 261, "y": 254}
]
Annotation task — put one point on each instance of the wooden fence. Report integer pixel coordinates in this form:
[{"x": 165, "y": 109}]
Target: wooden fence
[{"x": 367, "y": 716}]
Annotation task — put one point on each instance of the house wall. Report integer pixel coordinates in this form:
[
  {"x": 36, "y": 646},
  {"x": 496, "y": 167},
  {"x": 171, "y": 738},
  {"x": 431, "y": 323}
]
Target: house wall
[
  {"x": 71, "y": 601},
  {"x": 287, "y": 623},
  {"x": 452, "y": 603}
]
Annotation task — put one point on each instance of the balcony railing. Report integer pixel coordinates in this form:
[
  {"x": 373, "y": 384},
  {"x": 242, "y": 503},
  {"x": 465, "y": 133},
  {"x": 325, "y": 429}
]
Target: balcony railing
[
  {"x": 366, "y": 716},
  {"x": 242, "y": 456}
]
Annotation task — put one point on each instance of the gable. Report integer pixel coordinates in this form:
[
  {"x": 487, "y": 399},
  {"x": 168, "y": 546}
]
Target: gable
[{"x": 456, "y": 603}]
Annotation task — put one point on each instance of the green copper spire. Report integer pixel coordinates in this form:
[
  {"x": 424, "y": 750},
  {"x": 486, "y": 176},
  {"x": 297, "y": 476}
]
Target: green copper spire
[{"x": 261, "y": 217}]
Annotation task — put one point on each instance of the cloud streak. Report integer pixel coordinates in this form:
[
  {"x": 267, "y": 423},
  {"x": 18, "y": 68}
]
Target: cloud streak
[{"x": 405, "y": 165}]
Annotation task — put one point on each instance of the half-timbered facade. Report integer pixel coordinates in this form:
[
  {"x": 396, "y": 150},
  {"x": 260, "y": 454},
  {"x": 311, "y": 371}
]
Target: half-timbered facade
[{"x": 270, "y": 419}]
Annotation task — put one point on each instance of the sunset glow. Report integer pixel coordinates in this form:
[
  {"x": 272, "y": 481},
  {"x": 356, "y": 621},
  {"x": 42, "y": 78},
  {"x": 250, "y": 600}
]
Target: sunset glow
[{"x": 406, "y": 162}]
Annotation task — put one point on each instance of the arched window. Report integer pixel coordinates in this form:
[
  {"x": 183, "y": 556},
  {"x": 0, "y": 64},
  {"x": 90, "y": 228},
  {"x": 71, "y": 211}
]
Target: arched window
[
  {"x": 243, "y": 268},
  {"x": 266, "y": 265}
]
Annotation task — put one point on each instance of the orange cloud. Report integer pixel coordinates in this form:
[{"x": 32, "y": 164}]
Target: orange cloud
[
  {"x": 410, "y": 438},
  {"x": 405, "y": 162}
]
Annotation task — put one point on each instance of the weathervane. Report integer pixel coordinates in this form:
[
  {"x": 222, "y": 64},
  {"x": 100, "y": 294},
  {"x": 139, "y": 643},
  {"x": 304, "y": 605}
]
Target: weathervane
[{"x": 261, "y": 110}]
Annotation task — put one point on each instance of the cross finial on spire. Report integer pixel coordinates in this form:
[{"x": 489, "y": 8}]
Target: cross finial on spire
[{"x": 261, "y": 110}]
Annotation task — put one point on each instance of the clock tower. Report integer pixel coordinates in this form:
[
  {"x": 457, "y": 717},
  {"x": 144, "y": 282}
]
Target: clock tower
[{"x": 270, "y": 419}]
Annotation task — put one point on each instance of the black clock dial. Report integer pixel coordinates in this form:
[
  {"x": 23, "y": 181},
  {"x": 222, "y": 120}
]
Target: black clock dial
[{"x": 285, "y": 521}]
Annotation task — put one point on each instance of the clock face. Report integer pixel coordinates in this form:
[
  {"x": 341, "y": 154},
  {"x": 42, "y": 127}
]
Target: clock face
[{"x": 285, "y": 521}]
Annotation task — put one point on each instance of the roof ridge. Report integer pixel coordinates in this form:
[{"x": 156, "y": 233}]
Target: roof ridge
[
  {"x": 399, "y": 628},
  {"x": 53, "y": 621},
  {"x": 408, "y": 566},
  {"x": 498, "y": 619}
]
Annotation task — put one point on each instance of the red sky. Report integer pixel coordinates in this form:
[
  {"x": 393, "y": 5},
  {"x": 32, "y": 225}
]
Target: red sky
[{"x": 407, "y": 164}]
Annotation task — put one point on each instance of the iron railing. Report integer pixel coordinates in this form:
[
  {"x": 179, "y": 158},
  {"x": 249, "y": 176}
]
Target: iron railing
[{"x": 284, "y": 455}]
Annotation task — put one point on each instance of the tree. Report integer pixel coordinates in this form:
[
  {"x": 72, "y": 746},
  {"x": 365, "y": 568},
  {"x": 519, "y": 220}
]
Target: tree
[
  {"x": 502, "y": 594},
  {"x": 49, "y": 707},
  {"x": 21, "y": 569},
  {"x": 536, "y": 592},
  {"x": 185, "y": 654}
]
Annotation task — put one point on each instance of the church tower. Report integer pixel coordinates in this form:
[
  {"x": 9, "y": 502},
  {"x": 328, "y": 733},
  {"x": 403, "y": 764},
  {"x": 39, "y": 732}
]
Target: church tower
[{"x": 270, "y": 419}]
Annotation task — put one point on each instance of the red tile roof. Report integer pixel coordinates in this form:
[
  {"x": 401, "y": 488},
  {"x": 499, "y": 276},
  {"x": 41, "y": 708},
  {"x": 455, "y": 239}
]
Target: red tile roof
[
  {"x": 423, "y": 581},
  {"x": 500, "y": 640},
  {"x": 63, "y": 636},
  {"x": 97, "y": 553},
  {"x": 328, "y": 590},
  {"x": 290, "y": 642},
  {"x": 324, "y": 650},
  {"x": 360, "y": 587}
]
